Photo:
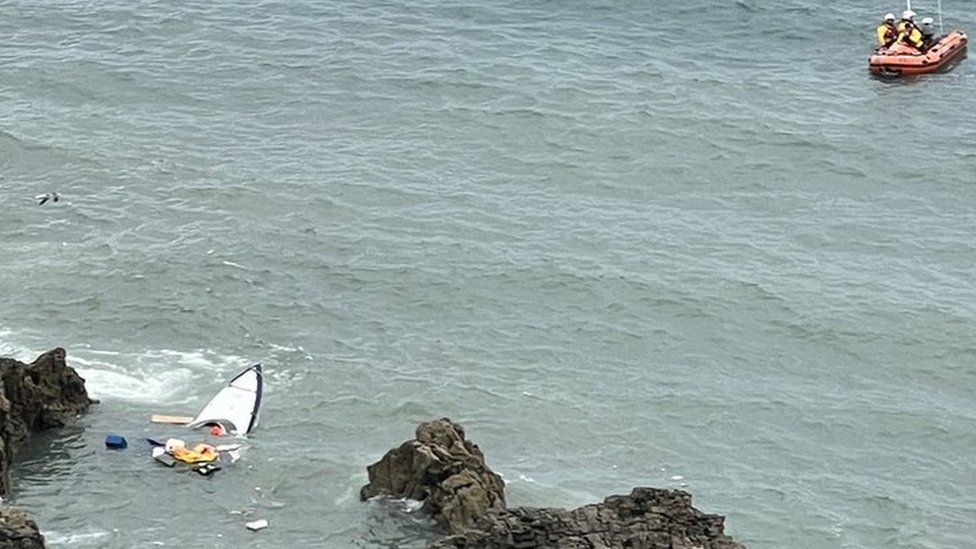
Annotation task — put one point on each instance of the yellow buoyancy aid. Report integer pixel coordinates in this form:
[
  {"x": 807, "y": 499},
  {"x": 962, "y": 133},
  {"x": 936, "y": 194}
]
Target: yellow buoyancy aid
[
  {"x": 887, "y": 34},
  {"x": 909, "y": 34},
  {"x": 199, "y": 454}
]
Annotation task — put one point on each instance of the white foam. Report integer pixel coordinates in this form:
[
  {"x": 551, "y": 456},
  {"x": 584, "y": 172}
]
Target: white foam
[
  {"x": 163, "y": 387},
  {"x": 75, "y": 539},
  {"x": 153, "y": 376},
  {"x": 347, "y": 496}
]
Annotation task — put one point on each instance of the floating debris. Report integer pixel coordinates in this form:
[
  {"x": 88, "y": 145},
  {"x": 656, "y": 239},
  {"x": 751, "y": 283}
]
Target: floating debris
[
  {"x": 44, "y": 198},
  {"x": 115, "y": 441}
]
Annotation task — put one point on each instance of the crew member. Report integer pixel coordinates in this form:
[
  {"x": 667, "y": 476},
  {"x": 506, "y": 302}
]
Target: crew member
[
  {"x": 928, "y": 32},
  {"x": 908, "y": 31},
  {"x": 887, "y": 31}
]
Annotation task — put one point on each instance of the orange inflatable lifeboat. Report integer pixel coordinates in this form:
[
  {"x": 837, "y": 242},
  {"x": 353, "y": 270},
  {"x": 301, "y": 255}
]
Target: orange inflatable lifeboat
[{"x": 902, "y": 59}]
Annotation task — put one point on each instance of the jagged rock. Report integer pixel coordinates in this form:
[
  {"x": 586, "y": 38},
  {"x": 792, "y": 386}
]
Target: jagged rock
[
  {"x": 448, "y": 473},
  {"x": 18, "y": 532},
  {"x": 44, "y": 394},
  {"x": 649, "y": 518},
  {"x": 442, "y": 469}
]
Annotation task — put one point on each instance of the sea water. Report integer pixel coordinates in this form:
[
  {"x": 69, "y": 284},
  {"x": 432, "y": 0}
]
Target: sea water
[{"x": 679, "y": 244}]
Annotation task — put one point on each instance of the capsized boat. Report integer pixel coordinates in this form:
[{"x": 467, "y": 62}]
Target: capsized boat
[
  {"x": 902, "y": 59},
  {"x": 236, "y": 406}
]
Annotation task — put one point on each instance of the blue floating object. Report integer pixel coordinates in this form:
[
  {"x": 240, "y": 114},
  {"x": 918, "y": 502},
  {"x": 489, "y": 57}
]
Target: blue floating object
[{"x": 115, "y": 441}]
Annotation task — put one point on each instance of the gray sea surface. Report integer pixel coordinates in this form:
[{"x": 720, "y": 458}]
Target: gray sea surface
[{"x": 680, "y": 244}]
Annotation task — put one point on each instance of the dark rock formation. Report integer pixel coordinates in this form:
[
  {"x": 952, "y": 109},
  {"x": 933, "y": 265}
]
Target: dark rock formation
[
  {"x": 18, "y": 532},
  {"x": 649, "y": 518},
  {"x": 448, "y": 473},
  {"x": 41, "y": 395},
  {"x": 442, "y": 469}
]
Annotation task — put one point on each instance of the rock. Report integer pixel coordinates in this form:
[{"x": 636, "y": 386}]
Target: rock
[
  {"x": 42, "y": 395},
  {"x": 443, "y": 470},
  {"x": 449, "y": 475},
  {"x": 45, "y": 394},
  {"x": 649, "y": 518},
  {"x": 18, "y": 532}
]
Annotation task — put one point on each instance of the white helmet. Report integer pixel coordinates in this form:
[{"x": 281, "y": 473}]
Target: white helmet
[
  {"x": 928, "y": 21},
  {"x": 908, "y": 15},
  {"x": 889, "y": 17}
]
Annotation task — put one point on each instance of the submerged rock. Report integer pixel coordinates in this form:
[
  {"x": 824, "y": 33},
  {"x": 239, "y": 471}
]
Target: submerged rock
[
  {"x": 649, "y": 518},
  {"x": 443, "y": 470},
  {"x": 44, "y": 394}
]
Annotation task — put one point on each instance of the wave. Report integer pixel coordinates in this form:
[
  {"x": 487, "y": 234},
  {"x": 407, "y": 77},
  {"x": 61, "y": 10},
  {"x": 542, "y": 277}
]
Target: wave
[{"x": 147, "y": 376}]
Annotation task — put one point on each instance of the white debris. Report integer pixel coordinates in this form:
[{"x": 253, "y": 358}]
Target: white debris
[
  {"x": 43, "y": 198},
  {"x": 257, "y": 525}
]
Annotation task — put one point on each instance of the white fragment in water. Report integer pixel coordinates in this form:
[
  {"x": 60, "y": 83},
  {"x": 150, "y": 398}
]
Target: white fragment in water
[
  {"x": 411, "y": 505},
  {"x": 677, "y": 477},
  {"x": 257, "y": 525},
  {"x": 258, "y": 488}
]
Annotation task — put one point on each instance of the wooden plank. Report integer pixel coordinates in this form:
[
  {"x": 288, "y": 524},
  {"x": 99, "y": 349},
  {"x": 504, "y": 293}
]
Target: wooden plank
[{"x": 171, "y": 420}]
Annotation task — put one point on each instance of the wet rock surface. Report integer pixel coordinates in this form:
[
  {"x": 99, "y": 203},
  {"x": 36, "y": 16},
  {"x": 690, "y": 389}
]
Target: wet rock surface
[
  {"x": 444, "y": 470},
  {"x": 17, "y": 531},
  {"x": 44, "y": 394},
  {"x": 648, "y": 518},
  {"x": 447, "y": 472}
]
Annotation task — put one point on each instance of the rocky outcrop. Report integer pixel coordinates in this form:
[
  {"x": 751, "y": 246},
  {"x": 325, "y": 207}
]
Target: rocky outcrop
[
  {"x": 649, "y": 518},
  {"x": 18, "y": 532},
  {"x": 443, "y": 470},
  {"x": 41, "y": 395},
  {"x": 448, "y": 473}
]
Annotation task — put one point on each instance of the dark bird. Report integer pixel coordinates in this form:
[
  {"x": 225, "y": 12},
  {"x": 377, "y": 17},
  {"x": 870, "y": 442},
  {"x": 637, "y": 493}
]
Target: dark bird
[{"x": 43, "y": 198}]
